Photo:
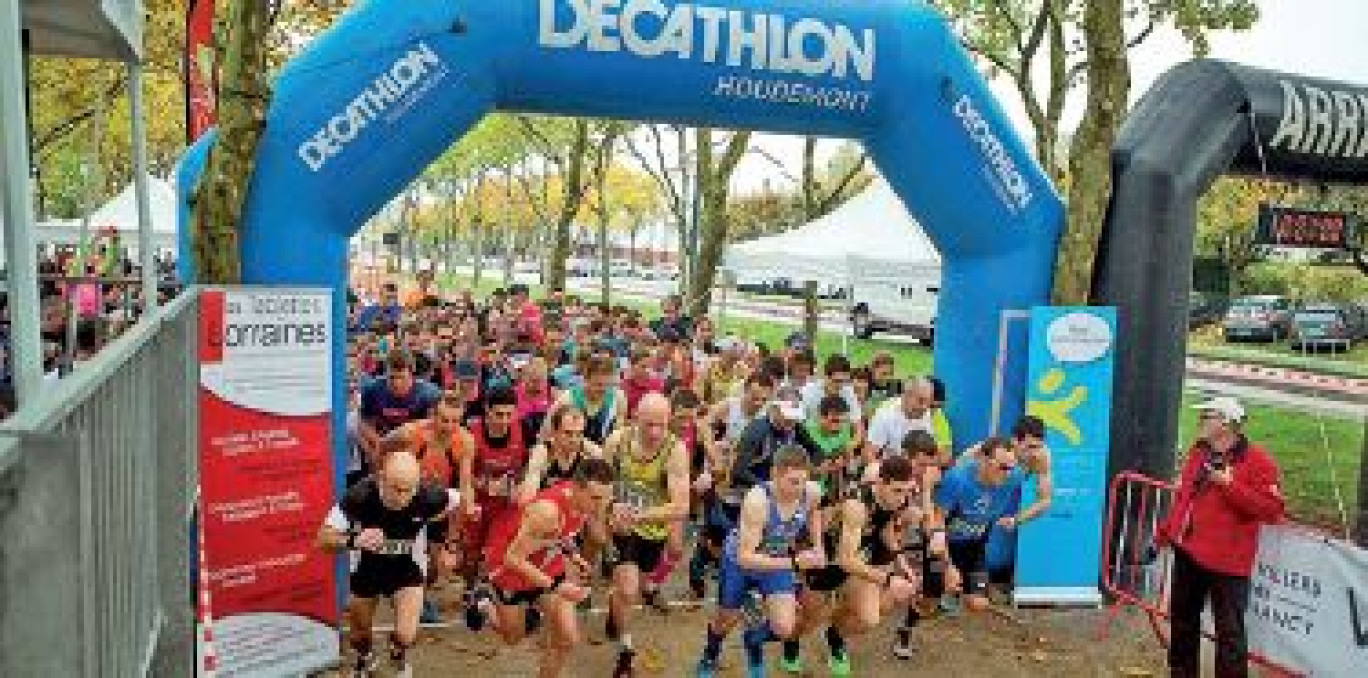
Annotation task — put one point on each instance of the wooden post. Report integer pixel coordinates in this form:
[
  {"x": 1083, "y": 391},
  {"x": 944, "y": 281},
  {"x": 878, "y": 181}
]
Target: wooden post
[
  {"x": 1361, "y": 534},
  {"x": 810, "y": 313}
]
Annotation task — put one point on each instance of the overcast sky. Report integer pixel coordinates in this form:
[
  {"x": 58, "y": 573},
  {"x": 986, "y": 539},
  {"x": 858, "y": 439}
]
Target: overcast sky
[{"x": 1325, "y": 38}]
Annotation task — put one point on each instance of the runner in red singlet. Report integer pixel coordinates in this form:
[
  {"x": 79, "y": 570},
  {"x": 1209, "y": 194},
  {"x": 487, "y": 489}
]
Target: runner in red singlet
[
  {"x": 532, "y": 560},
  {"x": 490, "y": 475}
]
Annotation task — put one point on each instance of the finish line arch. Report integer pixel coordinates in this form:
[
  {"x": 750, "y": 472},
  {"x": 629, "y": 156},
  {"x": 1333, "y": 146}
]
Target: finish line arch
[{"x": 394, "y": 83}]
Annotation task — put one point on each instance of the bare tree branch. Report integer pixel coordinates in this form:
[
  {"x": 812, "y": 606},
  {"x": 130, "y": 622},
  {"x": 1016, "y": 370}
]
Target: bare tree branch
[
  {"x": 1144, "y": 34},
  {"x": 832, "y": 198}
]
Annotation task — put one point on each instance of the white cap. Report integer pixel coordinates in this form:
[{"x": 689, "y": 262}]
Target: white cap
[{"x": 1229, "y": 408}]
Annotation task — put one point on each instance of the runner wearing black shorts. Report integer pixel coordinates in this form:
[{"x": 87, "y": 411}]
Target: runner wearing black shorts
[{"x": 387, "y": 519}]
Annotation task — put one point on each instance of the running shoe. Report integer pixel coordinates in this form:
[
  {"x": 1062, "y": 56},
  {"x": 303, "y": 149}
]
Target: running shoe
[
  {"x": 838, "y": 664},
  {"x": 477, "y": 601},
  {"x": 402, "y": 668},
  {"x": 430, "y": 613},
  {"x": 791, "y": 659},
  {"x": 363, "y": 667},
  {"x": 624, "y": 667},
  {"x": 653, "y": 599},
  {"x": 707, "y": 668},
  {"x": 902, "y": 645}
]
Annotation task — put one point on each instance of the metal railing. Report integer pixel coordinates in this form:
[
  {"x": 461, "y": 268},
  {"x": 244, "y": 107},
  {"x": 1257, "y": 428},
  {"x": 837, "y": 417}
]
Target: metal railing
[{"x": 96, "y": 481}]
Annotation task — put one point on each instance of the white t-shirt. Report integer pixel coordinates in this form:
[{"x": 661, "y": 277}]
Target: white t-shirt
[
  {"x": 890, "y": 425},
  {"x": 815, "y": 391}
]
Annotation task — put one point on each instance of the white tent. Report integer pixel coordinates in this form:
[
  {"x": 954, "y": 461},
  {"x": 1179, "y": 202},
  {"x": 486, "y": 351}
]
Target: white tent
[
  {"x": 871, "y": 236},
  {"x": 121, "y": 214}
]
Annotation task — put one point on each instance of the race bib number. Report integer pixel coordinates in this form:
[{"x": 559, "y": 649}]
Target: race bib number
[
  {"x": 633, "y": 497},
  {"x": 396, "y": 547}
]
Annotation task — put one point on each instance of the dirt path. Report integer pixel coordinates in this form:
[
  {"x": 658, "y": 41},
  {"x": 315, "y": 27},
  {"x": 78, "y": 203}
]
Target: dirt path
[{"x": 1016, "y": 643}]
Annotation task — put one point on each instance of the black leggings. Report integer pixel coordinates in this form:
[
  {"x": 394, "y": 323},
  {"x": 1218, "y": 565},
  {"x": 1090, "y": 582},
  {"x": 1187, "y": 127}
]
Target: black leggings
[{"x": 1192, "y": 586}]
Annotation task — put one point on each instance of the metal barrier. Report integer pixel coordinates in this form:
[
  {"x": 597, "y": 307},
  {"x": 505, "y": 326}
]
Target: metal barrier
[
  {"x": 95, "y": 502},
  {"x": 1135, "y": 572}
]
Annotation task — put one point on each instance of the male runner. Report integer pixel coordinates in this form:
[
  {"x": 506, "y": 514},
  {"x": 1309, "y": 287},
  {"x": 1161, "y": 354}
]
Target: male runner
[
  {"x": 603, "y": 403},
  {"x": 879, "y": 539},
  {"x": 652, "y": 471},
  {"x": 559, "y": 454},
  {"x": 489, "y": 478},
  {"x": 721, "y": 503},
  {"x": 439, "y": 443},
  {"x": 763, "y": 555},
  {"x": 529, "y": 555},
  {"x": 384, "y": 518},
  {"x": 971, "y": 498}
]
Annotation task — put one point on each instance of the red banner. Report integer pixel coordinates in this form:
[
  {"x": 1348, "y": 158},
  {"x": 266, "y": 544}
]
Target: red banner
[
  {"x": 266, "y": 478},
  {"x": 201, "y": 71}
]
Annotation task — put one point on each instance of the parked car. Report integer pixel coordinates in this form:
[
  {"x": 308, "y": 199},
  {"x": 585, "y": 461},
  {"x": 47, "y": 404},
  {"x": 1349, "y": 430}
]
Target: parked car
[
  {"x": 1332, "y": 326},
  {"x": 1265, "y": 317},
  {"x": 1205, "y": 309}
]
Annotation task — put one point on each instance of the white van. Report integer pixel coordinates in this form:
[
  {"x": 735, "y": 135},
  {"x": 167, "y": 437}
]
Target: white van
[{"x": 904, "y": 303}]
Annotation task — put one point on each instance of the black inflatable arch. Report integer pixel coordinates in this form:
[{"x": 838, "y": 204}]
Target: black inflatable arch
[{"x": 1202, "y": 119}]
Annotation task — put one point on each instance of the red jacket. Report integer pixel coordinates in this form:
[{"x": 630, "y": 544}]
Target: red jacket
[{"x": 1218, "y": 525}]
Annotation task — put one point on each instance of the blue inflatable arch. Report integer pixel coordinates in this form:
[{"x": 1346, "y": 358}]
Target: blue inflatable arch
[{"x": 395, "y": 82}]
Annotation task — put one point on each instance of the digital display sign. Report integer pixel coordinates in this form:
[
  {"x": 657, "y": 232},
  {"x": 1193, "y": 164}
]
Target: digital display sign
[{"x": 1297, "y": 227}]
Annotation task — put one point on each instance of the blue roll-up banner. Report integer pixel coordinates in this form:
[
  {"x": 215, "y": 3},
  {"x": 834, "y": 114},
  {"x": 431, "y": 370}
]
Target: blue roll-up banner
[{"x": 1072, "y": 360}]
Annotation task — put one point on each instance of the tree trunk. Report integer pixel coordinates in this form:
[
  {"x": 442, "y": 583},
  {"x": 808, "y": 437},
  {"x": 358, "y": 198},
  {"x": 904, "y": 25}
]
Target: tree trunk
[
  {"x": 477, "y": 235},
  {"x": 715, "y": 186},
  {"x": 243, "y": 99},
  {"x": 1090, "y": 156},
  {"x": 574, "y": 193}
]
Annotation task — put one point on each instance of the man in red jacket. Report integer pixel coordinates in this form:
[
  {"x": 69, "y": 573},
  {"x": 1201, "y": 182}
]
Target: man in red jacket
[{"x": 1229, "y": 487}]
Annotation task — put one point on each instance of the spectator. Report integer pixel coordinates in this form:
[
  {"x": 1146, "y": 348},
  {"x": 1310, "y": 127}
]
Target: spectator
[{"x": 1229, "y": 487}]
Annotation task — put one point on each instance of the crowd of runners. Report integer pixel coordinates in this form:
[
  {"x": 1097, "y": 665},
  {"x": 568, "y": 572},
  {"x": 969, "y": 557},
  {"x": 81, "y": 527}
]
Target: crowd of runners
[{"x": 544, "y": 451}]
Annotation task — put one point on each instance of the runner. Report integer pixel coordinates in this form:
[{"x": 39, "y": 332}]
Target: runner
[
  {"x": 721, "y": 501},
  {"x": 489, "y": 478},
  {"x": 560, "y": 453},
  {"x": 391, "y": 402},
  {"x": 762, "y": 556},
  {"x": 603, "y": 403},
  {"x": 685, "y": 424},
  {"x": 439, "y": 444},
  {"x": 531, "y": 554},
  {"x": 838, "y": 443},
  {"x": 922, "y": 449},
  {"x": 971, "y": 498},
  {"x": 879, "y": 541},
  {"x": 534, "y": 392},
  {"x": 384, "y": 518},
  {"x": 652, "y": 471}
]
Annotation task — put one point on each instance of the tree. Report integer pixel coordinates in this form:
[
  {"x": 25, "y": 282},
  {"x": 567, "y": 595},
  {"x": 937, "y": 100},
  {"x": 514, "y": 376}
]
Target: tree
[
  {"x": 572, "y": 146},
  {"x": 243, "y": 97},
  {"x": 1081, "y": 43},
  {"x": 714, "y": 172},
  {"x": 1225, "y": 224},
  {"x": 1108, "y": 73},
  {"x": 69, "y": 95}
]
